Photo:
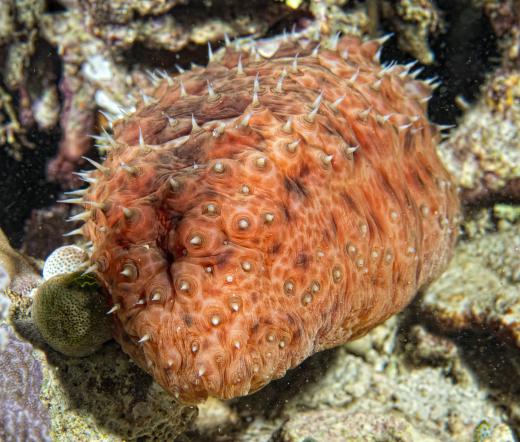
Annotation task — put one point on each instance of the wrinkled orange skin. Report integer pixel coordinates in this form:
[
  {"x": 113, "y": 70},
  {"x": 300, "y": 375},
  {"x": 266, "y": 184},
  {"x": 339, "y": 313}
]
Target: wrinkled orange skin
[{"x": 334, "y": 240}]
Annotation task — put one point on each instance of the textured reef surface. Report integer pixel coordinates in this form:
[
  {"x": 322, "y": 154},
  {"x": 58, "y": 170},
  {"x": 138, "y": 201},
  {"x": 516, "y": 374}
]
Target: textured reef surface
[{"x": 196, "y": 154}]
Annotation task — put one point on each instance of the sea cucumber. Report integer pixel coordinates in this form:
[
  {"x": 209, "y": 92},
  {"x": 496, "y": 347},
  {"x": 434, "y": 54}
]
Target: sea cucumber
[{"x": 282, "y": 200}]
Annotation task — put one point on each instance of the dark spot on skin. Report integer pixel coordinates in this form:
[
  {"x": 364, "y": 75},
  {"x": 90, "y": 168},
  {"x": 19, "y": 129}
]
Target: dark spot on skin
[
  {"x": 302, "y": 260},
  {"x": 418, "y": 271},
  {"x": 417, "y": 178},
  {"x": 373, "y": 219},
  {"x": 408, "y": 141},
  {"x": 191, "y": 152},
  {"x": 304, "y": 170},
  {"x": 255, "y": 328},
  {"x": 187, "y": 320},
  {"x": 350, "y": 202},
  {"x": 386, "y": 184},
  {"x": 326, "y": 236},
  {"x": 223, "y": 258},
  {"x": 254, "y": 297},
  {"x": 275, "y": 248},
  {"x": 334, "y": 225},
  {"x": 286, "y": 212},
  {"x": 295, "y": 186}
]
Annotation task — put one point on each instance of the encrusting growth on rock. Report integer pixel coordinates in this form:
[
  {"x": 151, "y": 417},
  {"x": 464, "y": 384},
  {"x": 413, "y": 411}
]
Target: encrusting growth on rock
[
  {"x": 282, "y": 200},
  {"x": 70, "y": 314}
]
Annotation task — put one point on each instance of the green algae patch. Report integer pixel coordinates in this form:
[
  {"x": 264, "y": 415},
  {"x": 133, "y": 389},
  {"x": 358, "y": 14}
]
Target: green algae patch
[{"x": 70, "y": 314}]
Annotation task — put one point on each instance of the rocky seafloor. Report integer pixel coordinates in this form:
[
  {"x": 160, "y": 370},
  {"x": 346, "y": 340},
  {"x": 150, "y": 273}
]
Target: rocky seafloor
[{"x": 445, "y": 369}]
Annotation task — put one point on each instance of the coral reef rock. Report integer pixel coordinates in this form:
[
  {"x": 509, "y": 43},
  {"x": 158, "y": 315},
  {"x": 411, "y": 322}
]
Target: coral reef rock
[
  {"x": 481, "y": 287},
  {"x": 23, "y": 415},
  {"x": 283, "y": 200},
  {"x": 17, "y": 272},
  {"x": 483, "y": 152}
]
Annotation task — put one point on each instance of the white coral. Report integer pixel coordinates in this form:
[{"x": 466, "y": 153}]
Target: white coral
[{"x": 65, "y": 259}]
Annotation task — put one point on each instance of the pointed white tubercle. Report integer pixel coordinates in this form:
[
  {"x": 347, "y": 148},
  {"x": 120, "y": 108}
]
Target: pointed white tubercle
[
  {"x": 114, "y": 309},
  {"x": 77, "y": 192},
  {"x": 352, "y": 80},
  {"x": 144, "y": 339},
  {"x": 83, "y": 216},
  {"x": 279, "y": 84},
  {"x": 91, "y": 269},
  {"x": 196, "y": 240},
  {"x": 141, "y": 139},
  {"x": 96, "y": 165},
  {"x": 210, "y": 52},
  {"x": 287, "y": 127},
  {"x": 256, "y": 89},
  {"x": 315, "y": 107},
  {"x": 79, "y": 201},
  {"x": 246, "y": 119},
  {"x": 127, "y": 212},
  {"x": 240, "y": 68},
  {"x": 294, "y": 65},
  {"x": 74, "y": 232},
  {"x": 333, "y": 42},
  {"x": 211, "y": 91},
  {"x": 194, "y": 126},
  {"x": 183, "y": 92},
  {"x": 291, "y": 147},
  {"x": 334, "y": 106},
  {"x": 382, "y": 40}
]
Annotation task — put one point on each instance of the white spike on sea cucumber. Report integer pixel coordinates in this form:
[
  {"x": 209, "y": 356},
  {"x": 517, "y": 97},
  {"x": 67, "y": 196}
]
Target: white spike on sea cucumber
[
  {"x": 256, "y": 88},
  {"x": 114, "y": 309},
  {"x": 144, "y": 339},
  {"x": 83, "y": 216},
  {"x": 240, "y": 68},
  {"x": 74, "y": 232},
  {"x": 316, "y": 51},
  {"x": 210, "y": 52},
  {"x": 315, "y": 107},
  {"x": 79, "y": 201},
  {"x": 211, "y": 92},
  {"x": 245, "y": 121},
  {"x": 279, "y": 84},
  {"x": 294, "y": 65},
  {"x": 334, "y": 106},
  {"x": 77, "y": 192},
  {"x": 227, "y": 42},
  {"x": 333, "y": 42},
  {"x": 183, "y": 92},
  {"x": 97, "y": 165},
  {"x": 91, "y": 269},
  {"x": 194, "y": 126}
]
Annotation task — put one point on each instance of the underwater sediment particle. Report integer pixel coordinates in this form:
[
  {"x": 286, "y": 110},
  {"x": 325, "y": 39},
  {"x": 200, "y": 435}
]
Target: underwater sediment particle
[
  {"x": 70, "y": 314},
  {"x": 281, "y": 201}
]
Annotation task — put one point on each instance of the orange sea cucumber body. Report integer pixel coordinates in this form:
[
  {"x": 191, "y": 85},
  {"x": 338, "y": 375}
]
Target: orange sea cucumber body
[{"x": 298, "y": 212}]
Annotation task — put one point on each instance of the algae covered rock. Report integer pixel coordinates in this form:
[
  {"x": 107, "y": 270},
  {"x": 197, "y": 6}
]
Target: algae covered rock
[
  {"x": 480, "y": 290},
  {"x": 70, "y": 314},
  {"x": 23, "y": 416}
]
